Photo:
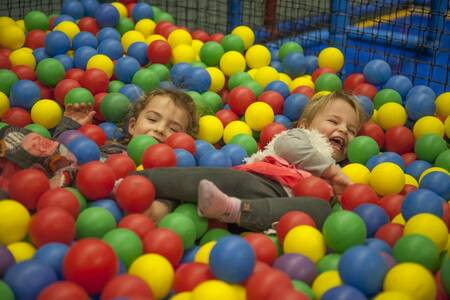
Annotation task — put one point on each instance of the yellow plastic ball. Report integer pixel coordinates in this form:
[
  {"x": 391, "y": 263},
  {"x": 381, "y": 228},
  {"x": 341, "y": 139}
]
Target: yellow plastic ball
[
  {"x": 217, "y": 79},
  {"x": 320, "y": 95},
  {"x": 285, "y": 78},
  {"x": 69, "y": 28},
  {"x": 246, "y": 34},
  {"x": 21, "y": 251},
  {"x": 305, "y": 240},
  {"x": 47, "y": 113},
  {"x": 131, "y": 37},
  {"x": 14, "y": 221},
  {"x": 398, "y": 219},
  {"x": 21, "y": 24},
  {"x": 5, "y": 21},
  {"x": 432, "y": 169},
  {"x": 102, "y": 62},
  {"x": 331, "y": 58},
  {"x": 156, "y": 271},
  {"x": 179, "y": 37},
  {"x": 301, "y": 81},
  {"x": 374, "y": 117},
  {"x": 325, "y": 281},
  {"x": 146, "y": 27},
  {"x": 411, "y": 180},
  {"x": 122, "y": 9},
  {"x": 266, "y": 75},
  {"x": 202, "y": 255},
  {"x": 430, "y": 226},
  {"x": 252, "y": 73},
  {"x": 428, "y": 124},
  {"x": 140, "y": 168},
  {"x": 12, "y": 36},
  {"x": 234, "y": 128},
  {"x": 257, "y": 56},
  {"x": 4, "y": 103},
  {"x": 213, "y": 290},
  {"x": 387, "y": 178},
  {"x": 391, "y": 114},
  {"x": 411, "y": 279},
  {"x": 357, "y": 173},
  {"x": 240, "y": 293},
  {"x": 447, "y": 126},
  {"x": 183, "y": 53},
  {"x": 258, "y": 115},
  {"x": 70, "y": 53},
  {"x": 22, "y": 57},
  {"x": 232, "y": 62},
  {"x": 155, "y": 37},
  {"x": 443, "y": 104},
  {"x": 197, "y": 45},
  {"x": 210, "y": 129},
  {"x": 392, "y": 295},
  {"x": 182, "y": 296}
]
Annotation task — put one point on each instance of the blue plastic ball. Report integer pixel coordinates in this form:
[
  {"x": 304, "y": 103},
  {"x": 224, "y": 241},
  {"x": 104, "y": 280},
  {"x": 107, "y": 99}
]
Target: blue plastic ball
[
  {"x": 73, "y": 8},
  {"x": 138, "y": 50},
  {"x": 90, "y": 6},
  {"x": 279, "y": 87},
  {"x": 294, "y": 105},
  {"x": 111, "y": 130},
  {"x": 198, "y": 80},
  {"x": 122, "y": 268},
  {"x": 185, "y": 158},
  {"x": 363, "y": 268},
  {"x": 422, "y": 201},
  {"x": 52, "y": 254},
  {"x": 84, "y": 149},
  {"x": 24, "y": 93},
  {"x": 142, "y": 11},
  {"x": 236, "y": 153},
  {"x": 111, "y": 206},
  {"x": 438, "y": 182},
  {"x": 416, "y": 168},
  {"x": 400, "y": 83},
  {"x": 373, "y": 216},
  {"x": 282, "y": 119},
  {"x": 62, "y": 18},
  {"x": 65, "y": 60},
  {"x": 419, "y": 89},
  {"x": 165, "y": 84},
  {"x": 179, "y": 71},
  {"x": 311, "y": 63},
  {"x": 385, "y": 157},
  {"x": 295, "y": 64},
  {"x": 420, "y": 105},
  {"x": 343, "y": 292},
  {"x": 108, "y": 33},
  {"x": 28, "y": 278},
  {"x": 107, "y": 15},
  {"x": 201, "y": 147},
  {"x": 277, "y": 65},
  {"x": 189, "y": 255},
  {"x": 132, "y": 91},
  {"x": 56, "y": 42},
  {"x": 82, "y": 56},
  {"x": 40, "y": 54},
  {"x": 367, "y": 104},
  {"x": 112, "y": 48},
  {"x": 215, "y": 159},
  {"x": 377, "y": 72},
  {"x": 125, "y": 68},
  {"x": 84, "y": 38},
  {"x": 378, "y": 245},
  {"x": 232, "y": 259}
]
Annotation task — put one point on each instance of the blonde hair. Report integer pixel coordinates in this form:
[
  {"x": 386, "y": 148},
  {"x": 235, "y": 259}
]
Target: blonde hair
[{"x": 315, "y": 105}]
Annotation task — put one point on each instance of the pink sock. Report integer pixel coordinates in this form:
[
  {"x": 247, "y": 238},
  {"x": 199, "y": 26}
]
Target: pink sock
[{"x": 214, "y": 204}]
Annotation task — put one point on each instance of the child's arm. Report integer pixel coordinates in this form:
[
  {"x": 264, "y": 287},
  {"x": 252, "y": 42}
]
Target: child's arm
[
  {"x": 74, "y": 117},
  {"x": 338, "y": 180}
]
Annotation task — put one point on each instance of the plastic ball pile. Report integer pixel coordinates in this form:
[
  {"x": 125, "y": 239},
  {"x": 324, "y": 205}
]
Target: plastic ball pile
[{"x": 387, "y": 239}]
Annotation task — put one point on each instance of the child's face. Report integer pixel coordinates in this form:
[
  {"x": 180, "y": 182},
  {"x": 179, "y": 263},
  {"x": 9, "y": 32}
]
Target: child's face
[
  {"x": 159, "y": 119},
  {"x": 337, "y": 121}
]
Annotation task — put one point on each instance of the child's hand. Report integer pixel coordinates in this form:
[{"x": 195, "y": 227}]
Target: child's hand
[
  {"x": 338, "y": 180},
  {"x": 80, "y": 113}
]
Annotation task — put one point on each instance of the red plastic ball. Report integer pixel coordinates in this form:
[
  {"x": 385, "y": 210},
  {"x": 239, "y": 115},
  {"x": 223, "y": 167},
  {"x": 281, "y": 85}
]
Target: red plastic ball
[
  {"x": 226, "y": 116},
  {"x": 98, "y": 98},
  {"x": 88, "y": 24},
  {"x": 269, "y": 132},
  {"x": 165, "y": 242},
  {"x": 374, "y": 131},
  {"x": 46, "y": 92},
  {"x": 74, "y": 74},
  {"x": 63, "y": 87},
  {"x": 95, "y": 180},
  {"x": 121, "y": 164},
  {"x": 357, "y": 194},
  {"x": 24, "y": 72},
  {"x": 392, "y": 204},
  {"x": 274, "y": 99},
  {"x": 94, "y": 132},
  {"x": 189, "y": 275},
  {"x": 51, "y": 22},
  {"x": 135, "y": 194},
  {"x": 407, "y": 188},
  {"x": 159, "y": 52},
  {"x": 91, "y": 263},
  {"x": 390, "y": 233},
  {"x": 52, "y": 224},
  {"x": 321, "y": 71},
  {"x": 5, "y": 63},
  {"x": 240, "y": 98},
  {"x": 95, "y": 80},
  {"x": 399, "y": 139},
  {"x": 304, "y": 90},
  {"x": 161, "y": 25},
  {"x": 352, "y": 81},
  {"x": 217, "y": 37},
  {"x": 63, "y": 290},
  {"x": 35, "y": 39},
  {"x": 159, "y": 155},
  {"x": 126, "y": 287},
  {"x": 409, "y": 158},
  {"x": 181, "y": 140},
  {"x": 200, "y": 35},
  {"x": 446, "y": 214},
  {"x": 264, "y": 248},
  {"x": 130, "y": 6},
  {"x": 365, "y": 89},
  {"x": 290, "y": 220},
  {"x": 61, "y": 198},
  {"x": 287, "y": 294},
  {"x": 138, "y": 223},
  {"x": 167, "y": 30},
  {"x": 27, "y": 186},
  {"x": 261, "y": 284},
  {"x": 17, "y": 116},
  {"x": 313, "y": 187}
]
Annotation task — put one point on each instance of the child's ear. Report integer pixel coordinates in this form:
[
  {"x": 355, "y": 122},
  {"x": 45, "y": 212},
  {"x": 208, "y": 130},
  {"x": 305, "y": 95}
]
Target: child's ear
[{"x": 131, "y": 124}]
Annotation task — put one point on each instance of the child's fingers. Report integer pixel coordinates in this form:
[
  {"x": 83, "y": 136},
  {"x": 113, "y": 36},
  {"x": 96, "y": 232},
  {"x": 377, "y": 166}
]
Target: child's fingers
[{"x": 90, "y": 107}]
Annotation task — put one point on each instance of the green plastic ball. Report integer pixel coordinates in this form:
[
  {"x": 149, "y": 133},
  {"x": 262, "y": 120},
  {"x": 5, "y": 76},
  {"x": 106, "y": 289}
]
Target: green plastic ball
[
  {"x": 39, "y": 129},
  {"x": 125, "y": 243},
  {"x": 114, "y": 107},
  {"x": 328, "y": 82},
  {"x": 336, "y": 207},
  {"x": 429, "y": 146},
  {"x": 213, "y": 235},
  {"x": 275, "y": 240},
  {"x": 94, "y": 222},
  {"x": 237, "y": 79},
  {"x": 213, "y": 101},
  {"x": 443, "y": 160},
  {"x": 445, "y": 274},
  {"x": 3, "y": 124},
  {"x": 79, "y": 95},
  {"x": 190, "y": 210},
  {"x": 164, "y": 16},
  {"x": 199, "y": 64},
  {"x": 114, "y": 86},
  {"x": 247, "y": 142},
  {"x": 161, "y": 70},
  {"x": 137, "y": 146},
  {"x": 344, "y": 229},
  {"x": 50, "y": 71},
  {"x": 210, "y": 53},
  {"x": 232, "y": 42},
  {"x": 156, "y": 12},
  {"x": 386, "y": 95},
  {"x": 125, "y": 24},
  {"x": 200, "y": 104},
  {"x": 182, "y": 226},
  {"x": 256, "y": 88},
  {"x": 7, "y": 79},
  {"x": 6, "y": 292},
  {"x": 304, "y": 288},
  {"x": 80, "y": 198},
  {"x": 287, "y": 48},
  {"x": 329, "y": 262},
  {"x": 361, "y": 149},
  {"x": 36, "y": 19},
  {"x": 417, "y": 249},
  {"x": 146, "y": 79}
]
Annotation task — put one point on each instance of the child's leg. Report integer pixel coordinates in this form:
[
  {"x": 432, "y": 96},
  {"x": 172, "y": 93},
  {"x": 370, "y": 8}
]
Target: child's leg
[{"x": 159, "y": 209}]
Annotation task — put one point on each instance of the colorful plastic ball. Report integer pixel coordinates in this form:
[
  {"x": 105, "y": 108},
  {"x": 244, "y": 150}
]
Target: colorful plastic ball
[
  {"x": 107, "y": 15},
  {"x": 108, "y": 33},
  {"x": 138, "y": 223},
  {"x": 387, "y": 178},
  {"x": 217, "y": 79},
  {"x": 429, "y": 146},
  {"x": 69, "y": 28},
  {"x": 261, "y": 284},
  {"x": 422, "y": 201},
  {"x": 246, "y": 141},
  {"x": 132, "y": 199},
  {"x": 331, "y": 58},
  {"x": 328, "y": 82},
  {"x": 291, "y": 220},
  {"x": 430, "y": 226},
  {"x": 21, "y": 251},
  {"x": 373, "y": 216},
  {"x": 240, "y": 98},
  {"x": 17, "y": 116},
  {"x": 326, "y": 281},
  {"x": 210, "y": 129},
  {"x": 94, "y": 222},
  {"x": 111, "y": 48},
  {"x": 39, "y": 129},
  {"x": 391, "y": 115},
  {"x": 165, "y": 242},
  {"x": 294, "y": 105},
  {"x": 390, "y": 233},
  {"x": 297, "y": 266},
  {"x": 343, "y": 292},
  {"x": 428, "y": 124},
  {"x": 114, "y": 107},
  {"x": 400, "y": 83},
  {"x": 213, "y": 289},
  {"x": 138, "y": 145},
  {"x": 287, "y": 48},
  {"x": 14, "y": 221},
  {"x": 128, "y": 286},
  {"x": 22, "y": 56},
  {"x": 24, "y": 93},
  {"x": 294, "y": 64},
  {"x": 36, "y": 20},
  {"x": 27, "y": 185},
  {"x": 257, "y": 56},
  {"x": 65, "y": 60},
  {"x": 438, "y": 182},
  {"x": 199, "y": 80},
  {"x": 63, "y": 290},
  {"x": 357, "y": 173},
  {"x": 246, "y": 34},
  {"x": 88, "y": 24},
  {"x": 442, "y": 103},
  {"x": 258, "y": 115},
  {"x": 356, "y": 194},
  {"x": 377, "y": 72},
  {"x": 418, "y": 249},
  {"x": 420, "y": 105},
  {"x": 59, "y": 197},
  {"x": 367, "y": 104},
  {"x": 313, "y": 186},
  {"x": 47, "y": 113},
  {"x": 190, "y": 275},
  {"x": 353, "y": 80},
  {"x": 232, "y": 62},
  {"x": 236, "y": 153},
  {"x": 214, "y": 159},
  {"x": 132, "y": 92},
  {"x": 263, "y": 247},
  {"x": 12, "y": 37},
  {"x": 312, "y": 246},
  {"x": 416, "y": 168},
  {"x": 50, "y": 71},
  {"x": 183, "y": 53},
  {"x": 7, "y": 80},
  {"x": 142, "y": 11},
  {"x": 57, "y": 42},
  {"x": 399, "y": 139},
  {"x": 84, "y": 149},
  {"x": 361, "y": 149},
  {"x": 125, "y": 68},
  {"x": 280, "y": 87},
  {"x": 109, "y": 205},
  {"x": 125, "y": 243},
  {"x": 82, "y": 55},
  {"x": 182, "y": 225},
  {"x": 74, "y": 9},
  {"x": 232, "y": 42},
  {"x": 95, "y": 180}
]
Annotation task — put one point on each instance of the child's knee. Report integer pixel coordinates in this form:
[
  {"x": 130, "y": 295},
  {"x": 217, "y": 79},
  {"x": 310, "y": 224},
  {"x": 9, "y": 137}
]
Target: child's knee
[{"x": 158, "y": 210}]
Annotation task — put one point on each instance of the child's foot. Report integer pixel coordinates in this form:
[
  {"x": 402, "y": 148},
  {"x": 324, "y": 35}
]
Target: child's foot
[{"x": 214, "y": 204}]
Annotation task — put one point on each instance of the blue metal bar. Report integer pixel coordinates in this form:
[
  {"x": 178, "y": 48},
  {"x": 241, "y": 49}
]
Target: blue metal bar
[
  {"x": 339, "y": 22},
  {"x": 234, "y": 14}
]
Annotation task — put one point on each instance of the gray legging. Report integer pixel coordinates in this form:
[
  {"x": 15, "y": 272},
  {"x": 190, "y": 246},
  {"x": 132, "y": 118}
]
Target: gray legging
[{"x": 263, "y": 201}]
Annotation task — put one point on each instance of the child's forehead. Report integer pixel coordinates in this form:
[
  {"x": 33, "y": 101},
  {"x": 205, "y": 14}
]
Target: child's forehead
[{"x": 337, "y": 107}]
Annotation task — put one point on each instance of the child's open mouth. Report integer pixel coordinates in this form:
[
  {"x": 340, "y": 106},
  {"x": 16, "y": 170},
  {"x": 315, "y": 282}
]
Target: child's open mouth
[{"x": 337, "y": 143}]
